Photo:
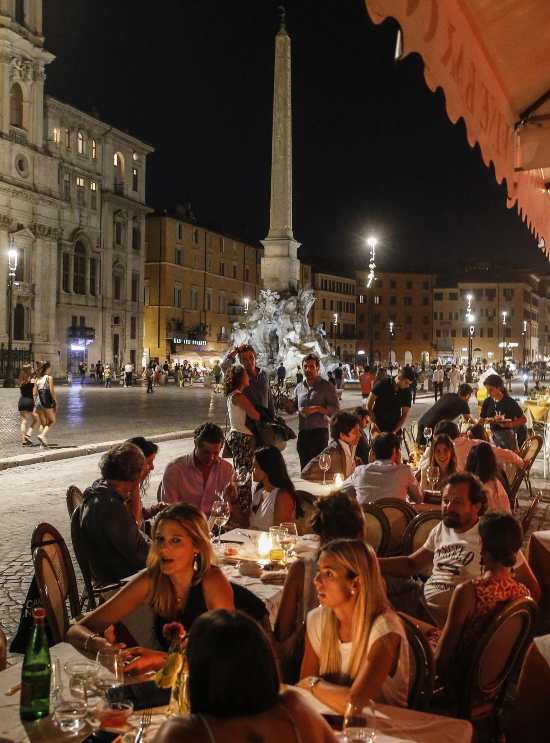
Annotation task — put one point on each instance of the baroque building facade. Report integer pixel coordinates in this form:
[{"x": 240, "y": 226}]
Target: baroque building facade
[{"x": 72, "y": 204}]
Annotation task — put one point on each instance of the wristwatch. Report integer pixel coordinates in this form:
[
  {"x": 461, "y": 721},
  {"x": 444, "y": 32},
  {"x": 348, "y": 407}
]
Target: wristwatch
[{"x": 313, "y": 681}]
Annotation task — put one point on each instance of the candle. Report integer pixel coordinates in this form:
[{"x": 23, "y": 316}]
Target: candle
[
  {"x": 264, "y": 544},
  {"x": 338, "y": 480}
]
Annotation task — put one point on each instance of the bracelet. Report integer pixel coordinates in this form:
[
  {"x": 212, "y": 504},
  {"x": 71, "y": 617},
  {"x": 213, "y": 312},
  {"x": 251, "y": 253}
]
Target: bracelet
[{"x": 87, "y": 640}]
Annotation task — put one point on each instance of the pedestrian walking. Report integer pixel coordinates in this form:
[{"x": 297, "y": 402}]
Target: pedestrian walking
[
  {"x": 339, "y": 376},
  {"x": 99, "y": 371},
  {"x": 45, "y": 402},
  {"x": 454, "y": 379},
  {"x": 149, "y": 375},
  {"x": 390, "y": 401},
  {"x": 218, "y": 374},
  {"x": 82, "y": 372},
  {"x": 438, "y": 378},
  {"x": 128, "y": 373},
  {"x": 108, "y": 375},
  {"x": 366, "y": 380},
  {"x": 281, "y": 374},
  {"x": 25, "y": 406},
  {"x": 508, "y": 377}
]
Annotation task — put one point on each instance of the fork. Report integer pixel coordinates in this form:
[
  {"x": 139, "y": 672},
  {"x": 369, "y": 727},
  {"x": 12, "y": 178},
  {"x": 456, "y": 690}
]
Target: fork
[{"x": 143, "y": 725}]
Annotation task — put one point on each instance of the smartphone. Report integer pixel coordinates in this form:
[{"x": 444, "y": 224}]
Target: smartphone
[
  {"x": 101, "y": 736},
  {"x": 336, "y": 722}
]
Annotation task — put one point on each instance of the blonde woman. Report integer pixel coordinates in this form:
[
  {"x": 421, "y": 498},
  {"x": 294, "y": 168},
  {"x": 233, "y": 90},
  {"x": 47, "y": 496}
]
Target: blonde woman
[
  {"x": 179, "y": 583},
  {"x": 45, "y": 401},
  {"x": 356, "y": 648},
  {"x": 26, "y": 404}
]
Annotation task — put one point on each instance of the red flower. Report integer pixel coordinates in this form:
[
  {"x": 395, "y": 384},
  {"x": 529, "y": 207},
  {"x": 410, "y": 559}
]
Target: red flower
[{"x": 173, "y": 630}]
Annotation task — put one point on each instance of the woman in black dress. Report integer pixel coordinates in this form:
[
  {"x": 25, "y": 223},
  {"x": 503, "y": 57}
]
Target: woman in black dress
[{"x": 26, "y": 404}]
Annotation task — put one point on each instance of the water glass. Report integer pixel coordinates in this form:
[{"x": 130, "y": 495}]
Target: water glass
[
  {"x": 82, "y": 680},
  {"x": 288, "y": 538},
  {"x": 360, "y": 723},
  {"x": 70, "y": 714},
  {"x": 277, "y": 553},
  {"x": 110, "y": 669}
]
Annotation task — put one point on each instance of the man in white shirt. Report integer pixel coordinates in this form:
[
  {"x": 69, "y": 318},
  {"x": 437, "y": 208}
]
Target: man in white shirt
[
  {"x": 128, "y": 371},
  {"x": 454, "y": 379},
  {"x": 453, "y": 549},
  {"x": 437, "y": 379},
  {"x": 386, "y": 477}
]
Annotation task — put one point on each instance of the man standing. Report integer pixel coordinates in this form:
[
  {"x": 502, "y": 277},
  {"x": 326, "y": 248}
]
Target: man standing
[
  {"x": 366, "y": 379},
  {"x": 339, "y": 376},
  {"x": 506, "y": 416},
  {"x": 438, "y": 378},
  {"x": 258, "y": 390},
  {"x": 454, "y": 379},
  {"x": 390, "y": 401},
  {"x": 128, "y": 371},
  {"x": 448, "y": 407},
  {"x": 281, "y": 374},
  {"x": 316, "y": 400},
  {"x": 149, "y": 376}
]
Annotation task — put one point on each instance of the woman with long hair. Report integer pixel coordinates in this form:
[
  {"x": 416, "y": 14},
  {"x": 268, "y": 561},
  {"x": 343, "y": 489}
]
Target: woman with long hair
[
  {"x": 180, "y": 583},
  {"x": 149, "y": 450},
  {"x": 482, "y": 462},
  {"x": 274, "y": 500},
  {"x": 45, "y": 401},
  {"x": 356, "y": 647},
  {"x": 26, "y": 404},
  {"x": 442, "y": 456},
  {"x": 241, "y": 440},
  {"x": 234, "y": 690}
]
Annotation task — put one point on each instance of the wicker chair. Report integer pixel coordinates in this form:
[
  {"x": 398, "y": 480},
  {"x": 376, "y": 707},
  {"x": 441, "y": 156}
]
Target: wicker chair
[
  {"x": 418, "y": 529},
  {"x": 399, "y": 514},
  {"x": 529, "y": 452},
  {"x": 52, "y": 595},
  {"x": 74, "y": 498},
  {"x": 422, "y": 664},
  {"x": 378, "y": 528},
  {"x": 47, "y": 538}
]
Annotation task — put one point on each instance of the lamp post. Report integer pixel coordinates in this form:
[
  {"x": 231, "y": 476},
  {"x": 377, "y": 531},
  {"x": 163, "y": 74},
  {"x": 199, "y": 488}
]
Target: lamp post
[
  {"x": 391, "y": 324},
  {"x": 470, "y": 317},
  {"x": 12, "y": 268},
  {"x": 372, "y": 242},
  {"x": 524, "y": 334},
  {"x": 504, "y": 315}
]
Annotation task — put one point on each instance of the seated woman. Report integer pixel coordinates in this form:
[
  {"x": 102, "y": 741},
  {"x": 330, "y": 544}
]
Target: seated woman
[
  {"x": 356, "y": 646},
  {"x": 274, "y": 500},
  {"x": 443, "y": 456},
  {"x": 179, "y": 583},
  {"x": 475, "y": 602},
  {"x": 338, "y": 516},
  {"x": 234, "y": 690},
  {"x": 482, "y": 462}
]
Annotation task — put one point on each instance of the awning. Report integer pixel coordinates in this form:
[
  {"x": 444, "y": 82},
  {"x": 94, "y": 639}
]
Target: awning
[{"x": 492, "y": 60}]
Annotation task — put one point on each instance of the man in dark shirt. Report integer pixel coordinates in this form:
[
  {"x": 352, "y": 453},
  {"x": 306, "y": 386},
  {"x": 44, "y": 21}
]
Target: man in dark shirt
[
  {"x": 390, "y": 401},
  {"x": 499, "y": 403},
  {"x": 115, "y": 546},
  {"x": 448, "y": 407}
]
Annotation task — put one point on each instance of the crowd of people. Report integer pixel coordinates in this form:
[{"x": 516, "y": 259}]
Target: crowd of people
[{"x": 337, "y": 634}]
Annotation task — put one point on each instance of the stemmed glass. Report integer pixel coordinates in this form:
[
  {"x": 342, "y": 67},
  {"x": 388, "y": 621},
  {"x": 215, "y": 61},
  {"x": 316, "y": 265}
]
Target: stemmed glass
[
  {"x": 324, "y": 465},
  {"x": 110, "y": 669},
  {"x": 219, "y": 516},
  {"x": 428, "y": 433},
  {"x": 432, "y": 476},
  {"x": 288, "y": 536},
  {"x": 360, "y": 723},
  {"x": 242, "y": 477}
]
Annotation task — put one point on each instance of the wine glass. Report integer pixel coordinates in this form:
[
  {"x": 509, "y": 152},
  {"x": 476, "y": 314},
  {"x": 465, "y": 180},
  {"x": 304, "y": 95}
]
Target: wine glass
[
  {"x": 110, "y": 669},
  {"x": 428, "y": 433},
  {"x": 288, "y": 538},
  {"x": 219, "y": 516},
  {"x": 432, "y": 476},
  {"x": 324, "y": 465},
  {"x": 360, "y": 723}
]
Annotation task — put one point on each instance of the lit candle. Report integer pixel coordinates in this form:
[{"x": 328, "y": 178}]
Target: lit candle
[
  {"x": 338, "y": 480},
  {"x": 264, "y": 544}
]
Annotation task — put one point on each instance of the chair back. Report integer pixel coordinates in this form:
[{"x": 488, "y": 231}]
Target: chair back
[
  {"x": 530, "y": 512},
  {"x": 408, "y": 441},
  {"x": 159, "y": 492},
  {"x": 497, "y": 654},
  {"x": 399, "y": 514},
  {"x": 418, "y": 529},
  {"x": 46, "y": 537},
  {"x": 305, "y": 502},
  {"x": 81, "y": 554},
  {"x": 422, "y": 665},
  {"x": 52, "y": 596},
  {"x": 378, "y": 528},
  {"x": 528, "y": 452},
  {"x": 74, "y": 498}
]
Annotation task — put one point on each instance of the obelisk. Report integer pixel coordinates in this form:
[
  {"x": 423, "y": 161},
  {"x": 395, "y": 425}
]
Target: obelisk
[{"x": 280, "y": 263}]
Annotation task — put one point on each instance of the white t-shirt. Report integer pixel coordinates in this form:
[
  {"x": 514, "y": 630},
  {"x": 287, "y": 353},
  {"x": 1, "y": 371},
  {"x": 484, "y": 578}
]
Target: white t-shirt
[
  {"x": 395, "y": 689},
  {"x": 262, "y": 518},
  {"x": 457, "y": 558},
  {"x": 237, "y": 415}
]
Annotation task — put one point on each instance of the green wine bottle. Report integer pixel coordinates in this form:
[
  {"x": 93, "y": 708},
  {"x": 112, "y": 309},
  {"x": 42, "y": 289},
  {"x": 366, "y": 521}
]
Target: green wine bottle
[{"x": 36, "y": 673}]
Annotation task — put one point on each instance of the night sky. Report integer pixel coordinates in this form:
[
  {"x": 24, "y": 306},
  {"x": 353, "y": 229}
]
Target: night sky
[{"x": 373, "y": 148}]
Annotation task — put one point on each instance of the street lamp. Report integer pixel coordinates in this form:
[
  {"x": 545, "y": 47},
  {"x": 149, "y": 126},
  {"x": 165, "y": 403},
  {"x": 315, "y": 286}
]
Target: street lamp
[
  {"x": 246, "y": 302},
  {"x": 391, "y": 338},
  {"x": 504, "y": 315},
  {"x": 12, "y": 269},
  {"x": 372, "y": 242},
  {"x": 524, "y": 334},
  {"x": 470, "y": 317}
]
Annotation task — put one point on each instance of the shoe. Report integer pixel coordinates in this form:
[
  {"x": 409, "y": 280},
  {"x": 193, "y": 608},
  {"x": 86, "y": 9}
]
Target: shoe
[
  {"x": 28, "y": 439},
  {"x": 26, "y": 443},
  {"x": 42, "y": 440}
]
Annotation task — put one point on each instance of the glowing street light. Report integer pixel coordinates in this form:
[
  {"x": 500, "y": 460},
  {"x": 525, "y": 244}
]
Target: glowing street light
[
  {"x": 246, "y": 302},
  {"x": 12, "y": 270},
  {"x": 372, "y": 242}
]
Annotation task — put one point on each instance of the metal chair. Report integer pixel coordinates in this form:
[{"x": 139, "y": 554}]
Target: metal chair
[
  {"x": 528, "y": 452},
  {"x": 378, "y": 528},
  {"x": 46, "y": 537},
  {"x": 422, "y": 665},
  {"x": 52, "y": 595},
  {"x": 74, "y": 498},
  {"x": 418, "y": 529},
  {"x": 530, "y": 512},
  {"x": 399, "y": 514}
]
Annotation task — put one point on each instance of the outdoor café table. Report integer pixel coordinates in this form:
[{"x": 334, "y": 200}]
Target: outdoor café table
[
  {"x": 539, "y": 410},
  {"x": 401, "y": 725},
  {"x": 315, "y": 488},
  {"x": 538, "y": 556},
  {"x": 529, "y": 713}
]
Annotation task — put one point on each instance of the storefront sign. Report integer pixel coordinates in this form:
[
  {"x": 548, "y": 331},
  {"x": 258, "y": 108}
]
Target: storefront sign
[{"x": 188, "y": 342}]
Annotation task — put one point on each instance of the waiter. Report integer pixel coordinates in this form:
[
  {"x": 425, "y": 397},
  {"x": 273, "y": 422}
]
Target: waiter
[{"x": 447, "y": 408}]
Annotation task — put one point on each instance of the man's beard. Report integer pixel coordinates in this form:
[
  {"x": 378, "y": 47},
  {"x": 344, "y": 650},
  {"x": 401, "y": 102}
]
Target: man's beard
[{"x": 451, "y": 521}]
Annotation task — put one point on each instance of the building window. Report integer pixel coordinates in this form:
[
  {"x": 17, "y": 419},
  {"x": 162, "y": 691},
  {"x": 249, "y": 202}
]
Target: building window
[
  {"x": 489, "y": 332},
  {"x": 135, "y": 180},
  {"x": 195, "y": 259},
  {"x": 80, "y": 185},
  {"x": 438, "y": 333},
  {"x": 136, "y": 237},
  {"x": 393, "y": 300},
  {"x": 221, "y": 304},
  {"x": 79, "y": 269},
  {"x": 407, "y": 301},
  {"x": 377, "y": 299},
  {"x": 222, "y": 269},
  {"x": 178, "y": 256},
  {"x": 453, "y": 296},
  {"x": 438, "y": 296},
  {"x": 246, "y": 274},
  {"x": 133, "y": 328},
  {"x": 209, "y": 262},
  {"x": 222, "y": 246},
  {"x": 65, "y": 276},
  {"x": 56, "y": 135},
  {"x": 196, "y": 237},
  {"x": 194, "y": 298},
  {"x": 408, "y": 284},
  {"x": 16, "y": 106},
  {"x": 425, "y": 301},
  {"x": 118, "y": 233},
  {"x": 66, "y": 186},
  {"x": 67, "y": 138},
  {"x": 93, "y": 276},
  {"x": 178, "y": 292},
  {"x": 135, "y": 287},
  {"x": 80, "y": 143},
  {"x": 93, "y": 194},
  {"x": 180, "y": 232},
  {"x": 94, "y": 149},
  {"x": 117, "y": 286},
  {"x": 234, "y": 270}
]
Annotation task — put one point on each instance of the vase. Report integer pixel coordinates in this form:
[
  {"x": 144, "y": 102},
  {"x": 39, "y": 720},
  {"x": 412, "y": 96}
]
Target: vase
[{"x": 179, "y": 701}]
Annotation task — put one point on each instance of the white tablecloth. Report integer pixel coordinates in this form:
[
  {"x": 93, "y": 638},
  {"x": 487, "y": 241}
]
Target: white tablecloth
[{"x": 315, "y": 488}]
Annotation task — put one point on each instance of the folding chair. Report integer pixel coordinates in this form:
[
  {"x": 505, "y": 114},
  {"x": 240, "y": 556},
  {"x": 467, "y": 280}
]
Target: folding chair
[
  {"x": 422, "y": 665},
  {"x": 74, "y": 498},
  {"x": 46, "y": 537}
]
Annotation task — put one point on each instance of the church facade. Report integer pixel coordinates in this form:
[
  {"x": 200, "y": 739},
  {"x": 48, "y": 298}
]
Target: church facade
[{"x": 72, "y": 204}]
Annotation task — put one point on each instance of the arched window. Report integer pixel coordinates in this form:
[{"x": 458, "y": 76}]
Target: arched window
[
  {"x": 79, "y": 269},
  {"x": 16, "y": 106},
  {"x": 19, "y": 323},
  {"x": 80, "y": 143},
  {"x": 94, "y": 149}
]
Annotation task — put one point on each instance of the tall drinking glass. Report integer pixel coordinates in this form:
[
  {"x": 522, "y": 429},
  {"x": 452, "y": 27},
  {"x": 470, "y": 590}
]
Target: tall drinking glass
[
  {"x": 324, "y": 465},
  {"x": 360, "y": 723}
]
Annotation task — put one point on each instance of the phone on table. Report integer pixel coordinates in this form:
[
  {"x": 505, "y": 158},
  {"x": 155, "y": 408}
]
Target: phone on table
[
  {"x": 336, "y": 722},
  {"x": 101, "y": 736}
]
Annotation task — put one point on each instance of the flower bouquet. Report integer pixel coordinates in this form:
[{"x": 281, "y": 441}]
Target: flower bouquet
[{"x": 174, "y": 673}]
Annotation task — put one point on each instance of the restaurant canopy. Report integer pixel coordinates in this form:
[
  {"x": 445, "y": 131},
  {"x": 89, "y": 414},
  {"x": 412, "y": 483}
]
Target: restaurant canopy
[{"x": 491, "y": 58}]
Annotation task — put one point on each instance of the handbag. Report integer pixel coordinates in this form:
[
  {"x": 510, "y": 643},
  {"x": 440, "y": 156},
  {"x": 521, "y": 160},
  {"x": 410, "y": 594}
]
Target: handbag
[
  {"x": 45, "y": 396},
  {"x": 26, "y": 622}
]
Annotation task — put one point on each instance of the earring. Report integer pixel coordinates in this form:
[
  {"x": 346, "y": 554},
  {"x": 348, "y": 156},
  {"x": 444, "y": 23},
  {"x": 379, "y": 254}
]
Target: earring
[
  {"x": 352, "y": 592},
  {"x": 196, "y": 563}
]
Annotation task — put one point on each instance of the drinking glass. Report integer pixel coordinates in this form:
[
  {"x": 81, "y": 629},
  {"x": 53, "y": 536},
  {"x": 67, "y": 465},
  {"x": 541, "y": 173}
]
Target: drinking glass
[
  {"x": 289, "y": 538},
  {"x": 324, "y": 465},
  {"x": 82, "y": 680},
  {"x": 276, "y": 533},
  {"x": 432, "y": 476},
  {"x": 110, "y": 669},
  {"x": 70, "y": 714},
  {"x": 242, "y": 476},
  {"x": 56, "y": 683},
  {"x": 219, "y": 516},
  {"x": 360, "y": 723},
  {"x": 428, "y": 433}
]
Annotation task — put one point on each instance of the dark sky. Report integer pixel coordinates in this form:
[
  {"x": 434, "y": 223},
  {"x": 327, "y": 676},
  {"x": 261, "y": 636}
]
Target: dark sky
[{"x": 373, "y": 148}]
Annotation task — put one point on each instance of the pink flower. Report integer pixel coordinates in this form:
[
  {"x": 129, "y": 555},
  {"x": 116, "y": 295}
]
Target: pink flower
[{"x": 171, "y": 630}]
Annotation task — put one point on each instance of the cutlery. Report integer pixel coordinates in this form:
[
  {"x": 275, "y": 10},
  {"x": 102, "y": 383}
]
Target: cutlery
[{"x": 143, "y": 725}]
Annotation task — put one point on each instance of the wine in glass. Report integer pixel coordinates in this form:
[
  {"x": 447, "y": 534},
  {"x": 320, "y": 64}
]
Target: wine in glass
[
  {"x": 288, "y": 537},
  {"x": 428, "y": 433},
  {"x": 324, "y": 465},
  {"x": 219, "y": 516},
  {"x": 432, "y": 476},
  {"x": 360, "y": 723}
]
